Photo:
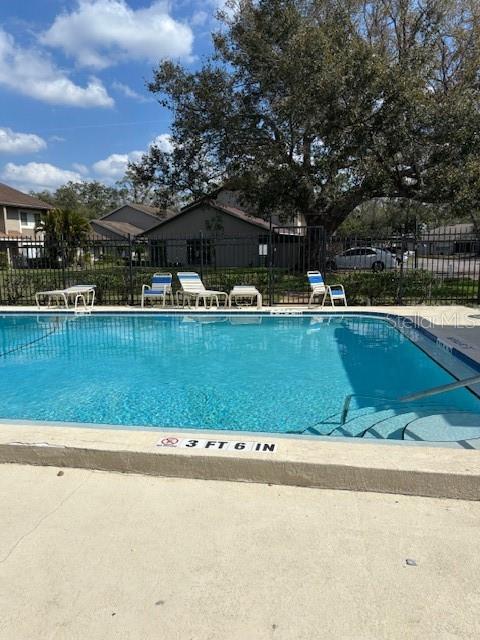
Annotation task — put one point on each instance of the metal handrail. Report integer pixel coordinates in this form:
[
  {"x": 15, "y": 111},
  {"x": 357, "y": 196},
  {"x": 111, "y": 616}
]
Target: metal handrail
[
  {"x": 441, "y": 389},
  {"x": 348, "y": 401},
  {"x": 409, "y": 398}
]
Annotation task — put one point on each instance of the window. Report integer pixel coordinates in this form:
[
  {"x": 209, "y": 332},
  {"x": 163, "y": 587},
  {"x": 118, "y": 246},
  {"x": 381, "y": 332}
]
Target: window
[
  {"x": 29, "y": 219},
  {"x": 360, "y": 252},
  {"x": 195, "y": 249},
  {"x": 158, "y": 253}
]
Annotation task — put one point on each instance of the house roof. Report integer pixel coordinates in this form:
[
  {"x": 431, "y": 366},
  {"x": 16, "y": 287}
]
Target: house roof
[
  {"x": 462, "y": 227},
  {"x": 146, "y": 208},
  {"x": 123, "y": 229},
  {"x": 17, "y": 235},
  {"x": 232, "y": 211},
  {"x": 155, "y": 212},
  {"x": 450, "y": 232},
  {"x": 12, "y": 197}
]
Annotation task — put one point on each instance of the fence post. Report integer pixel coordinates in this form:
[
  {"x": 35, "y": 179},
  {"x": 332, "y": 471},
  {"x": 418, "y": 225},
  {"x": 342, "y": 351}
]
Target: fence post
[
  {"x": 130, "y": 267},
  {"x": 399, "y": 299},
  {"x": 270, "y": 264},
  {"x": 416, "y": 246},
  {"x": 63, "y": 261},
  {"x": 201, "y": 255},
  {"x": 322, "y": 249}
]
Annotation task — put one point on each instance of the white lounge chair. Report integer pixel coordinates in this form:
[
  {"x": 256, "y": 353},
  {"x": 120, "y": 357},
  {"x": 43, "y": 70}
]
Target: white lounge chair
[
  {"x": 160, "y": 288},
  {"x": 319, "y": 288},
  {"x": 79, "y": 293},
  {"x": 194, "y": 289}
]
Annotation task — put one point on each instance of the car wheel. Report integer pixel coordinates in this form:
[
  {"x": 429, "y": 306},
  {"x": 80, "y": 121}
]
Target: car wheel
[
  {"x": 378, "y": 266},
  {"x": 330, "y": 265}
]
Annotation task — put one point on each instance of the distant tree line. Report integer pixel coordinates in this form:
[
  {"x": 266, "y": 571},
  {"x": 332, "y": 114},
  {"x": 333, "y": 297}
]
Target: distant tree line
[{"x": 90, "y": 199}]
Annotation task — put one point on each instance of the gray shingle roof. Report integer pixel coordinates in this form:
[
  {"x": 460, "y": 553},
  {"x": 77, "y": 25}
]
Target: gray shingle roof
[
  {"x": 12, "y": 197},
  {"x": 233, "y": 211},
  {"x": 155, "y": 212},
  {"x": 121, "y": 228}
]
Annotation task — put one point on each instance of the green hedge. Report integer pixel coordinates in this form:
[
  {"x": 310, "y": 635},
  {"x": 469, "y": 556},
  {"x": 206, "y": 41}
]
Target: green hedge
[
  {"x": 18, "y": 286},
  {"x": 386, "y": 287}
]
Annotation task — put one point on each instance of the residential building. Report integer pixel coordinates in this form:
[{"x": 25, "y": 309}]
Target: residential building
[
  {"x": 20, "y": 214},
  {"x": 214, "y": 230},
  {"x": 450, "y": 239},
  {"x": 129, "y": 220},
  {"x": 217, "y": 229}
]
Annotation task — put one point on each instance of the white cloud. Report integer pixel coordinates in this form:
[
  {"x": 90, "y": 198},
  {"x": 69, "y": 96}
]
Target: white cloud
[
  {"x": 13, "y": 142},
  {"x": 32, "y": 73},
  {"x": 128, "y": 92},
  {"x": 37, "y": 175},
  {"x": 99, "y": 33},
  {"x": 81, "y": 168},
  {"x": 57, "y": 139},
  {"x": 163, "y": 142},
  {"x": 114, "y": 167},
  {"x": 199, "y": 18}
]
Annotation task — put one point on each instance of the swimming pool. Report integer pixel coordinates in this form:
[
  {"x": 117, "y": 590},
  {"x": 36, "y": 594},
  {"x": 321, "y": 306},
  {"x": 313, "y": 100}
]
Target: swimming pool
[{"x": 254, "y": 373}]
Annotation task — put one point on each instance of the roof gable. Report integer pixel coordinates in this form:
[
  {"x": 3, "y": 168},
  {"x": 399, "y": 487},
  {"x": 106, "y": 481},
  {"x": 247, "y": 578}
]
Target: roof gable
[
  {"x": 232, "y": 211},
  {"x": 122, "y": 229},
  {"x": 14, "y": 198},
  {"x": 143, "y": 208}
]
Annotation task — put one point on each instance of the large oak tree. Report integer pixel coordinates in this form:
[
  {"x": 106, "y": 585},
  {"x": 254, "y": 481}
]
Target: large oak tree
[{"x": 317, "y": 106}]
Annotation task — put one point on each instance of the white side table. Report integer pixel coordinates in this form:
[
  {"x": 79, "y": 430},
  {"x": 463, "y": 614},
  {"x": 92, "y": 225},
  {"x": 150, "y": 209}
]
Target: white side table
[{"x": 245, "y": 292}]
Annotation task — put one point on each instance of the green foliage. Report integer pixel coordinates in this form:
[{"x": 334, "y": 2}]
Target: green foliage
[
  {"x": 317, "y": 106},
  {"x": 91, "y": 199},
  {"x": 19, "y": 286},
  {"x": 385, "y": 217},
  {"x": 65, "y": 232},
  {"x": 386, "y": 287},
  {"x": 113, "y": 284}
]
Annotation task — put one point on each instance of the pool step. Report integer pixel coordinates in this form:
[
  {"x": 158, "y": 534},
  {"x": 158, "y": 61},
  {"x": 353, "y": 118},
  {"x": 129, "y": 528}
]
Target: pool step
[{"x": 430, "y": 424}]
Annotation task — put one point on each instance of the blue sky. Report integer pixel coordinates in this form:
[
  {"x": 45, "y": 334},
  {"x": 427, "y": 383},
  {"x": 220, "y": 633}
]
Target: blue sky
[{"x": 72, "y": 83}]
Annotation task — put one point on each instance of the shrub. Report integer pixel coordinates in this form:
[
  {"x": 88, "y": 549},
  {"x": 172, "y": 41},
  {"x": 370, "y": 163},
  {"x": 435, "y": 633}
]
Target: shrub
[{"x": 386, "y": 287}]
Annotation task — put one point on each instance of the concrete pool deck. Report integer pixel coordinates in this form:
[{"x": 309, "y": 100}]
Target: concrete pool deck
[
  {"x": 326, "y": 463},
  {"x": 101, "y": 556},
  {"x": 352, "y": 464}
]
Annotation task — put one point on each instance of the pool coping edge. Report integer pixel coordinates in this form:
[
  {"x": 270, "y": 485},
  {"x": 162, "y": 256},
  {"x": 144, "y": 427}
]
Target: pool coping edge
[{"x": 427, "y": 471}]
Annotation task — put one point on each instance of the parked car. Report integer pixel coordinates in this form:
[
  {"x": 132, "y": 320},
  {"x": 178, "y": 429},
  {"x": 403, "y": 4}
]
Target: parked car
[
  {"x": 364, "y": 258},
  {"x": 399, "y": 255}
]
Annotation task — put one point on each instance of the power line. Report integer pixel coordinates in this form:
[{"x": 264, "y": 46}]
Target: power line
[{"x": 101, "y": 126}]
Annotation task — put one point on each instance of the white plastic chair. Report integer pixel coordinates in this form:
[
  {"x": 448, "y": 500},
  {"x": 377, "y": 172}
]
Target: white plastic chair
[
  {"x": 319, "y": 288},
  {"x": 160, "y": 288}
]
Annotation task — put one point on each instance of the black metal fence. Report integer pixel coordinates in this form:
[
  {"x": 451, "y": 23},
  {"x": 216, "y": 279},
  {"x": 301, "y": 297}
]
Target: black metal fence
[{"x": 434, "y": 268}]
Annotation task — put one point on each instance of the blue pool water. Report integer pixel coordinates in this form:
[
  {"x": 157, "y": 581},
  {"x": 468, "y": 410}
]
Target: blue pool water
[{"x": 262, "y": 373}]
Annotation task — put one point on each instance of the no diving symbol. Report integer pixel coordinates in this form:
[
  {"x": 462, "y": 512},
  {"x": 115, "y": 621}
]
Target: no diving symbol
[{"x": 170, "y": 442}]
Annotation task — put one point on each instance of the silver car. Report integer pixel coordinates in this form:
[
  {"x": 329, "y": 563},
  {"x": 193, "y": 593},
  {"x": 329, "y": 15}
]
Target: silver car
[{"x": 364, "y": 258}]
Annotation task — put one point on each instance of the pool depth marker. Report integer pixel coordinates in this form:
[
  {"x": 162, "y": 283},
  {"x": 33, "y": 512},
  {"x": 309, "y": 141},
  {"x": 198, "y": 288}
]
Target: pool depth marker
[{"x": 172, "y": 442}]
